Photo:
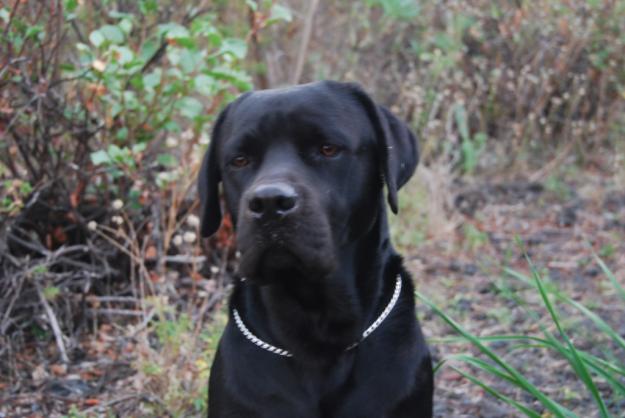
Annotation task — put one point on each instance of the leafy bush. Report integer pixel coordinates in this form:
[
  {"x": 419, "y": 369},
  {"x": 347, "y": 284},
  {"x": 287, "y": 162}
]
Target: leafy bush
[
  {"x": 105, "y": 108},
  {"x": 526, "y": 76}
]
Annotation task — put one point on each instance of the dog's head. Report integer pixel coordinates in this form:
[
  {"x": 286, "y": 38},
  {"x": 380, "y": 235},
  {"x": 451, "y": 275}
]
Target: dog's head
[{"x": 303, "y": 169}]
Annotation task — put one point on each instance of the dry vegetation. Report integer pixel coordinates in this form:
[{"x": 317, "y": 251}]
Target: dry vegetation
[{"x": 107, "y": 300}]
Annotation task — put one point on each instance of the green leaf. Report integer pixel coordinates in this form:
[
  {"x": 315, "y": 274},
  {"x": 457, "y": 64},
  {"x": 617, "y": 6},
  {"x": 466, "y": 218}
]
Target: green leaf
[
  {"x": 120, "y": 15},
  {"x": 214, "y": 37},
  {"x": 152, "y": 369},
  {"x": 122, "y": 54},
  {"x": 167, "y": 160},
  {"x": 110, "y": 33},
  {"x": 460, "y": 114},
  {"x": 139, "y": 148},
  {"x": 40, "y": 269},
  {"x": 173, "y": 31},
  {"x": 236, "y": 47},
  {"x": 5, "y": 15},
  {"x": 34, "y": 32},
  {"x": 148, "y": 6},
  {"x": 115, "y": 152},
  {"x": 205, "y": 26},
  {"x": 238, "y": 78},
  {"x": 279, "y": 13},
  {"x": 70, "y": 5},
  {"x": 148, "y": 49},
  {"x": 122, "y": 134},
  {"x": 174, "y": 55},
  {"x": 204, "y": 84},
  {"x": 126, "y": 26},
  {"x": 171, "y": 126},
  {"x": 25, "y": 188},
  {"x": 400, "y": 9},
  {"x": 153, "y": 79},
  {"x": 113, "y": 34},
  {"x": 51, "y": 292},
  {"x": 121, "y": 156},
  {"x": 190, "y": 107},
  {"x": 252, "y": 5},
  {"x": 96, "y": 38},
  {"x": 69, "y": 67},
  {"x": 130, "y": 100},
  {"x": 100, "y": 157},
  {"x": 188, "y": 60}
]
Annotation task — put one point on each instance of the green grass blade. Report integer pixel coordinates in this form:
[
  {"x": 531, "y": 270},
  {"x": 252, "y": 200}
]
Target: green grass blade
[
  {"x": 546, "y": 343},
  {"x": 498, "y": 394},
  {"x": 485, "y": 366},
  {"x": 575, "y": 360},
  {"x": 610, "y": 276},
  {"x": 606, "y": 364},
  {"x": 439, "y": 365},
  {"x": 553, "y": 406},
  {"x": 601, "y": 367},
  {"x": 599, "y": 322}
]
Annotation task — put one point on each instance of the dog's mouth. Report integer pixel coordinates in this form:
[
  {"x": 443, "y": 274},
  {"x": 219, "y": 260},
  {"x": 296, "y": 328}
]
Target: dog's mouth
[
  {"x": 270, "y": 260},
  {"x": 271, "y": 263},
  {"x": 278, "y": 262}
]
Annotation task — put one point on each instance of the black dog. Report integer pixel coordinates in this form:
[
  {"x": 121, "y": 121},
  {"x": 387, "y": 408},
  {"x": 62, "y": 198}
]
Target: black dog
[{"x": 322, "y": 323}]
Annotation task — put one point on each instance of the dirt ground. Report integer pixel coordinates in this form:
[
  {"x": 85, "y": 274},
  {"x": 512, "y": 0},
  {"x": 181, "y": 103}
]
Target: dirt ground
[{"x": 562, "y": 222}]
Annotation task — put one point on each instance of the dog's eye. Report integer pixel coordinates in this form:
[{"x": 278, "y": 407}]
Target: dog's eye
[
  {"x": 240, "y": 161},
  {"x": 329, "y": 150}
]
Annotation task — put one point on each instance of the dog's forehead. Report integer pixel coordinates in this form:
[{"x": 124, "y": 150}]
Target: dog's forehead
[{"x": 299, "y": 107}]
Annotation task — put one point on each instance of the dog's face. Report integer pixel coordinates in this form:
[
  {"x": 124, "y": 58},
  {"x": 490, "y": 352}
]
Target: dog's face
[{"x": 303, "y": 170}]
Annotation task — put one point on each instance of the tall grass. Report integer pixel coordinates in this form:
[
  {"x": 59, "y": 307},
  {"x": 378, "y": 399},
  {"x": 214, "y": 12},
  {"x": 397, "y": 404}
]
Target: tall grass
[{"x": 587, "y": 367}]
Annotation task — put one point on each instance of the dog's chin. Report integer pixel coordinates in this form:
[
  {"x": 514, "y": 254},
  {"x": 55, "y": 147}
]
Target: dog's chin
[{"x": 277, "y": 264}]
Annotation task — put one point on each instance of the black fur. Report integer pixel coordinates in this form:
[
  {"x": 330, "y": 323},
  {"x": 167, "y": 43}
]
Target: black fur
[{"x": 312, "y": 231}]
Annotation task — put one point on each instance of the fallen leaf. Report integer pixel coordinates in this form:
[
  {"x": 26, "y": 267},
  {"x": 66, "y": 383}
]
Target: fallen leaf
[
  {"x": 59, "y": 235},
  {"x": 59, "y": 369},
  {"x": 151, "y": 253},
  {"x": 39, "y": 374}
]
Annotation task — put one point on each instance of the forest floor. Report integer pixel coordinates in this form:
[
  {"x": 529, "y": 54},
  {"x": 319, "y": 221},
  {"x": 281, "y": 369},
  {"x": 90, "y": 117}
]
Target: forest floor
[{"x": 562, "y": 222}]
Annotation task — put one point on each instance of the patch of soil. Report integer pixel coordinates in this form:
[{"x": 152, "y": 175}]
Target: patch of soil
[{"x": 560, "y": 231}]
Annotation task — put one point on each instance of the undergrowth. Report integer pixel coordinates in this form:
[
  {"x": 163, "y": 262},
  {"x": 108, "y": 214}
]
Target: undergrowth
[{"x": 598, "y": 368}]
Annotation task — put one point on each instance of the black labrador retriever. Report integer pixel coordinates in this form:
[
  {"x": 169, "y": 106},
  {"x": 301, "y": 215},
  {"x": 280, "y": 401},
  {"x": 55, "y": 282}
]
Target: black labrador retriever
[{"x": 322, "y": 320}]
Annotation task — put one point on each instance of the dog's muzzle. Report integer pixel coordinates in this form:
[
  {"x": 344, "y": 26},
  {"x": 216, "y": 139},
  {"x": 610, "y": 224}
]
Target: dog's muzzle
[{"x": 282, "y": 228}]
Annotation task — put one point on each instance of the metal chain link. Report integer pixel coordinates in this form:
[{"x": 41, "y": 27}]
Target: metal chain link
[{"x": 281, "y": 352}]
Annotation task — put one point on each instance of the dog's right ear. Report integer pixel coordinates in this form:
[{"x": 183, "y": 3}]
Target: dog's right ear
[
  {"x": 209, "y": 178},
  {"x": 397, "y": 145}
]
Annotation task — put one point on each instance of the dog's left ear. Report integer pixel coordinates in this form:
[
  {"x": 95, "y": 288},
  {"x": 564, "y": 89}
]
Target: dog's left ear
[
  {"x": 209, "y": 178},
  {"x": 396, "y": 143}
]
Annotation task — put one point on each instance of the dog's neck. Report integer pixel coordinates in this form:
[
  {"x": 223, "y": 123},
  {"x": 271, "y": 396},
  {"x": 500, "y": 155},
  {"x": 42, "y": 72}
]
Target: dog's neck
[{"x": 319, "y": 319}]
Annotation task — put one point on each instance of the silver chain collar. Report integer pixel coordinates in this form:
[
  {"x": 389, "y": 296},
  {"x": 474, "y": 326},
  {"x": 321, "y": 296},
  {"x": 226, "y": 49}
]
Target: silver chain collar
[{"x": 285, "y": 353}]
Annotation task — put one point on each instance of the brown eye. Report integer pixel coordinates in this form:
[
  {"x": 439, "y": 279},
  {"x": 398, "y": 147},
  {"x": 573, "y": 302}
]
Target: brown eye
[
  {"x": 240, "y": 161},
  {"x": 329, "y": 150}
]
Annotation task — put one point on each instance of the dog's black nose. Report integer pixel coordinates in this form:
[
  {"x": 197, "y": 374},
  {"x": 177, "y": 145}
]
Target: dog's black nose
[{"x": 271, "y": 200}]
